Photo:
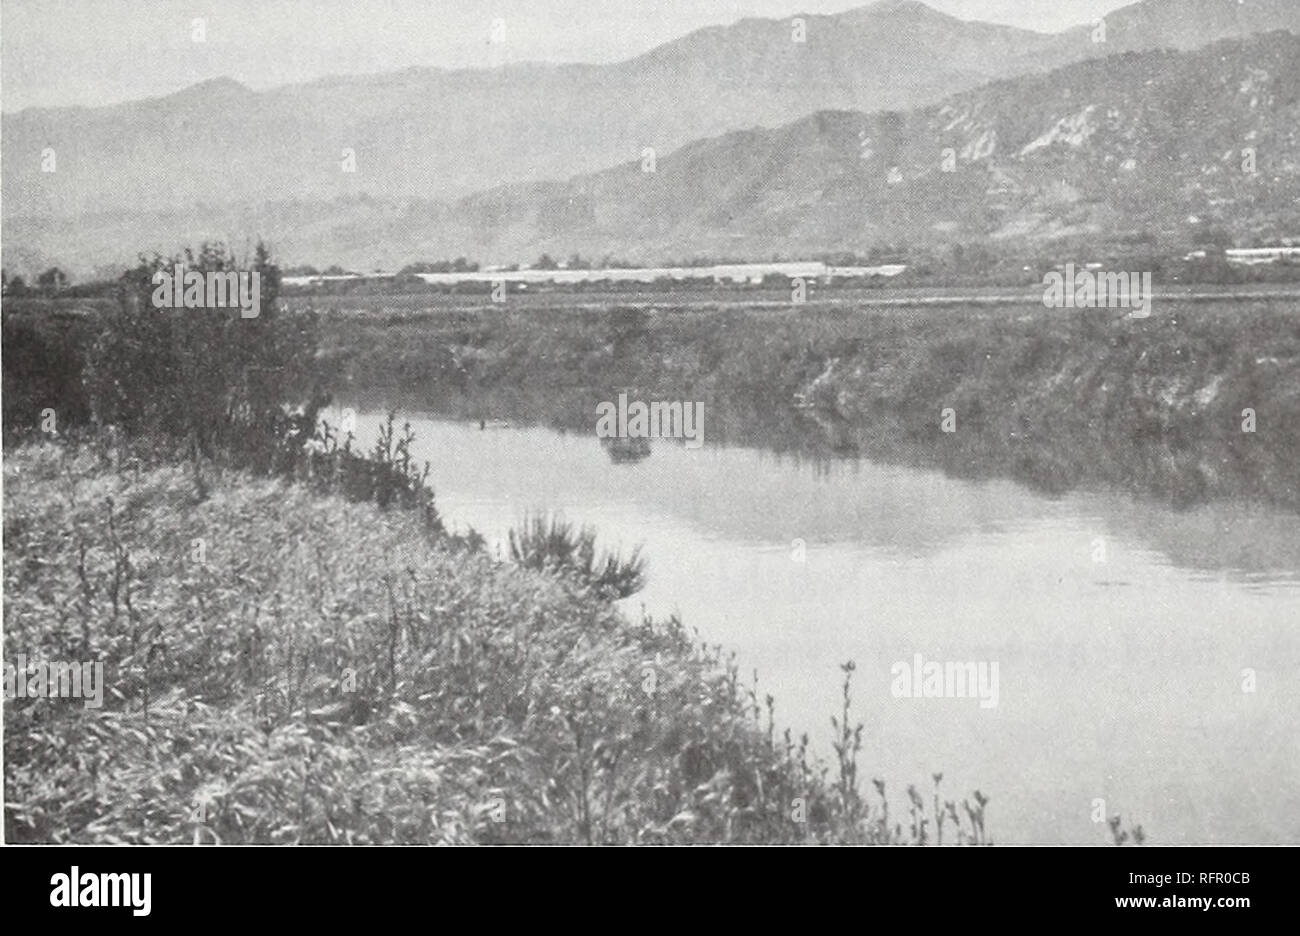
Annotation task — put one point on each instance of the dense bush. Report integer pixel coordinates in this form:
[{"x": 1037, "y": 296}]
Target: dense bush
[
  {"x": 44, "y": 359},
  {"x": 221, "y": 383},
  {"x": 205, "y": 385}
]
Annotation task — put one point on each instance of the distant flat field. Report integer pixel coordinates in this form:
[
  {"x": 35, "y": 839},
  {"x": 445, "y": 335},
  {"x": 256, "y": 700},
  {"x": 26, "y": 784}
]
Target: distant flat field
[
  {"x": 703, "y": 299},
  {"x": 696, "y": 299}
]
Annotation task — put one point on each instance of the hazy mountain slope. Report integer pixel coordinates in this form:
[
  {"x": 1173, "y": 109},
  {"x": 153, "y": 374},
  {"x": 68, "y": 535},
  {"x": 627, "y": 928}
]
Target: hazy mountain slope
[
  {"x": 430, "y": 133},
  {"x": 1180, "y": 24},
  {"x": 1152, "y": 141},
  {"x": 433, "y": 133},
  {"x": 1139, "y": 142},
  {"x": 219, "y": 160}
]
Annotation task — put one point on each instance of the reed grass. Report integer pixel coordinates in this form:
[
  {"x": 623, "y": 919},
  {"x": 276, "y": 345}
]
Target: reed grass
[{"x": 286, "y": 665}]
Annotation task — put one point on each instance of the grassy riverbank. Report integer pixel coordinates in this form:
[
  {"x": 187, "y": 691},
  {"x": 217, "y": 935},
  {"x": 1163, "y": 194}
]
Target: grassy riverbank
[
  {"x": 282, "y": 666},
  {"x": 1055, "y": 398}
]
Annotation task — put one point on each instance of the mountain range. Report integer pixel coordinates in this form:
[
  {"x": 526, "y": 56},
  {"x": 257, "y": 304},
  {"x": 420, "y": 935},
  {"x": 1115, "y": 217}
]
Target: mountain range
[
  {"x": 889, "y": 122},
  {"x": 1152, "y": 144}
]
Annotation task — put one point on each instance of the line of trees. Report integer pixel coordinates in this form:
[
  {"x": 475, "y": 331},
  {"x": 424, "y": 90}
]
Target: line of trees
[{"x": 52, "y": 280}]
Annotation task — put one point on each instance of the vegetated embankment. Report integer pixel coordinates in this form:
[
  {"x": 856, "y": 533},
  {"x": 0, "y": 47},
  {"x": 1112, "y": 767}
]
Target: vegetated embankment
[
  {"x": 287, "y": 667},
  {"x": 1199, "y": 401}
]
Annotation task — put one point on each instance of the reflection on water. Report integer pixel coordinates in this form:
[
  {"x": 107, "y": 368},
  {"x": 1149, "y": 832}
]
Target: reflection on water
[
  {"x": 1124, "y": 631},
  {"x": 627, "y": 451}
]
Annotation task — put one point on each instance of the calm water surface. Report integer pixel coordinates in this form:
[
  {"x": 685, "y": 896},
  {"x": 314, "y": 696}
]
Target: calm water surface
[{"x": 1121, "y": 629}]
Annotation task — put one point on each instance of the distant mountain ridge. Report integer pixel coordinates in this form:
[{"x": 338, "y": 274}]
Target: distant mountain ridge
[
  {"x": 1157, "y": 142},
  {"x": 1183, "y": 24},
  {"x": 219, "y": 159},
  {"x": 430, "y": 133}
]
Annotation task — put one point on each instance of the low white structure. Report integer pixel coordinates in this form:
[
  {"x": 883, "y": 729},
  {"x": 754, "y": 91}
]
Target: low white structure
[
  {"x": 1257, "y": 255},
  {"x": 730, "y": 273}
]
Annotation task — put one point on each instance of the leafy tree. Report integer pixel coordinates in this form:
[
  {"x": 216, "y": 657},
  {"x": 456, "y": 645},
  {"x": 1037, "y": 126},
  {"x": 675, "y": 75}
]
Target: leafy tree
[
  {"x": 52, "y": 279},
  {"x": 219, "y": 382}
]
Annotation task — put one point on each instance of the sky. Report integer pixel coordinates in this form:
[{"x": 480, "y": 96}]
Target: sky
[{"x": 95, "y": 52}]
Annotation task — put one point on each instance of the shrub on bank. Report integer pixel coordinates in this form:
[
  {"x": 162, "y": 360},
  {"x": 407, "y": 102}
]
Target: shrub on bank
[{"x": 551, "y": 544}]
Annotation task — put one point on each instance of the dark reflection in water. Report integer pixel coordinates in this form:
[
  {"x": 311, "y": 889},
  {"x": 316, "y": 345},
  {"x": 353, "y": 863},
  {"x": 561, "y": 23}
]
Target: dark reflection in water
[
  {"x": 869, "y": 492},
  {"x": 626, "y": 451},
  {"x": 807, "y": 437}
]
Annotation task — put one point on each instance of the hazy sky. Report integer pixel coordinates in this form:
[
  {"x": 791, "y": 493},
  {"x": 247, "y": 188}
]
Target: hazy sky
[{"x": 55, "y": 52}]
